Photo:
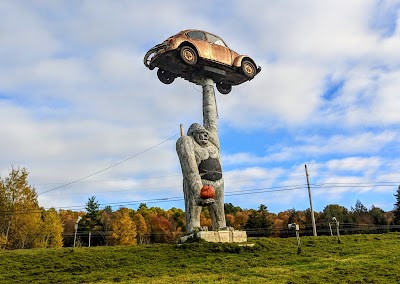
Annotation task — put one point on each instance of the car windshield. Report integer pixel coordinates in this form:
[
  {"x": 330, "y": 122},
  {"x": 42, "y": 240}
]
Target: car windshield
[{"x": 215, "y": 40}]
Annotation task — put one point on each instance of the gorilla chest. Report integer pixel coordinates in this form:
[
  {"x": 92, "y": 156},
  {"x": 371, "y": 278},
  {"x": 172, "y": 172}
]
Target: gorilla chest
[
  {"x": 205, "y": 153},
  {"x": 208, "y": 162}
]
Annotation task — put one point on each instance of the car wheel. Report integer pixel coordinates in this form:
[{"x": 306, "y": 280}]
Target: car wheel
[
  {"x": 165, "y": 76},
  {"x": 248, "y": 69},
  {"x": 224, "y": 88},
  {"x": 188, "y": 55}
]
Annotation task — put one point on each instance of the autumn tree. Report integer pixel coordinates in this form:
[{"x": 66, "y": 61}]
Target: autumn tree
[
  {"x": 20, "y": 218},
  {"x": 205, "y": 218},
  {"x": 177, "y": 218},
  {"x": 123, "y": 228},
  {"x": 240, "y": 221},
  {"x": 230, "y": 220},
  {"x": 68, "y": 219},
  {"x": 160, "y": 229},
  {"x": 142, "y": 229},
  {"x": 51, "y": 229}
]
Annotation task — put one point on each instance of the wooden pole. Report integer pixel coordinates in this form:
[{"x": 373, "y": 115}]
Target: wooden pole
[
  {"x": 311, "y": 207},
  {"x": 181, "y": 128}
]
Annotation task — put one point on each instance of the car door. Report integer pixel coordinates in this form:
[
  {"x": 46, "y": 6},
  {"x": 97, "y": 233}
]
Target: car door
[
  {"x": 198, "y": 38},
  {"x": 218, "y": 50}
]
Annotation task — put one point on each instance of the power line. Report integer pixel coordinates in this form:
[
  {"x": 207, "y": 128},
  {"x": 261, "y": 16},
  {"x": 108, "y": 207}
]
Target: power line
[
  {"x": 116, "y": 164},
  {"x": 166, "y": 199},
  {"x": 243, "y": 192}
]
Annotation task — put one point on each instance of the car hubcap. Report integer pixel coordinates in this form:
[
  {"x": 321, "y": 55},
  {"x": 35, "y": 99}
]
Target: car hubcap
[
  {"x": 188, "y": 55},
  {"x": 248, "y": 69}
]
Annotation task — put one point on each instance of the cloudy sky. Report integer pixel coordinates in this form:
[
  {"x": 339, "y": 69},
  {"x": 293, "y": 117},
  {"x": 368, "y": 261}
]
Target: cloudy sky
[{"x": 86, "y": 118}]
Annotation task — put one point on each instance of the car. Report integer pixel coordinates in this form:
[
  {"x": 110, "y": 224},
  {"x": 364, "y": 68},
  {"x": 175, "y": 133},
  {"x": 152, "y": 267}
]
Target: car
[{"x": 196, "y": 54}]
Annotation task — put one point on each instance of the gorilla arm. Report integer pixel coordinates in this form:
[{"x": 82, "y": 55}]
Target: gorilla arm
[
  {"x": 190, "y": 171},
  {"x": 210, "y": 115}
]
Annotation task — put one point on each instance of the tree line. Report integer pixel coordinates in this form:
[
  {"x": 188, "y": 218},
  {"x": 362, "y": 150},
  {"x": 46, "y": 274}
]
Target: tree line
[{"x": 24, "y": 224}]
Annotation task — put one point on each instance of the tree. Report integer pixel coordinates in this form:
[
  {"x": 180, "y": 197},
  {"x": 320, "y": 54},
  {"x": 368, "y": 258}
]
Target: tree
[
  {"x": 241, "y": 218},
  {"x": 51, "y": 230},
  {"x": 68, "y": 219},
  {"x": 92, "y": 218},
  {"x": 177, "y": 218},
  {"x": 20, "y": 219},
  {"x": 360, "y": 213},
  {"x": 259, "y": 222},
  {"x": 205, "y": 218},
  {"x": 230, "y": 220},
  {"x": 396, "y": 211},
  {"x": 334, "y": 210},
  {"x": 123, "y": 228},
  {"x": 160, "y": 229},
  {"x": 105, "y": 219},
  {"x": 142, "y": 229},
  {"x": 229, "y": 208},
  {"x": 378, "y": 216}
]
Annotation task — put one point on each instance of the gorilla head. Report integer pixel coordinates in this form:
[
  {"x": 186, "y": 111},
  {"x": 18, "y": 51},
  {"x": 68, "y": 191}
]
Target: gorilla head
[{"x": 199, "y": 133}]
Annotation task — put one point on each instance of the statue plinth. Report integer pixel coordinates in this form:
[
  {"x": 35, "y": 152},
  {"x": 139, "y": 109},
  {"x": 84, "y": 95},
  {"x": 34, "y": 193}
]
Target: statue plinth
[{"x": 218, "y": 236}]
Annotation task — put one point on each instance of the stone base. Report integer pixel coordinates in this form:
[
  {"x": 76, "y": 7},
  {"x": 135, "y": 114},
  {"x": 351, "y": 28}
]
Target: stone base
[{"x": 219, "y": 236}]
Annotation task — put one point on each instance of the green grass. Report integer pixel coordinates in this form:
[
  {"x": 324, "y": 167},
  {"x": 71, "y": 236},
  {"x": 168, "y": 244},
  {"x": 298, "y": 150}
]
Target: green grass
[{"x": 357, "y": 259}]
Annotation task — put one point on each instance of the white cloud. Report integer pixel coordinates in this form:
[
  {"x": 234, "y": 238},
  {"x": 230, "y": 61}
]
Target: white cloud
[{"x": 75, "y": 97}]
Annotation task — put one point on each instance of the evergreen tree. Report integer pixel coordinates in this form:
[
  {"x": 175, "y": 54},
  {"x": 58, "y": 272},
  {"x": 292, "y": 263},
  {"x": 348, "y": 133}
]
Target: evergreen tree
[
  {"x": 396, "y": 211},
  {"x": 259, "y": 222},
  {"x": 229, "y": 208},
  {"x": 93, "y": 214},
  {"x": 91, "y": 222}
]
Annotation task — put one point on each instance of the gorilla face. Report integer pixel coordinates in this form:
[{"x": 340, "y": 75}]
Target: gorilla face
[{"x": 201, "y": 137}]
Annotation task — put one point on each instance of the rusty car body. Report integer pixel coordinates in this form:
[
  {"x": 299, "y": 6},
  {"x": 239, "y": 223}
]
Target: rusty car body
[{"x": 194, "y": 55}]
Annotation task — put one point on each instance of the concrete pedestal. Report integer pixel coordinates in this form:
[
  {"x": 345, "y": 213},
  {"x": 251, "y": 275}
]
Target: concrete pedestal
[{"x": 219, "y": 236}]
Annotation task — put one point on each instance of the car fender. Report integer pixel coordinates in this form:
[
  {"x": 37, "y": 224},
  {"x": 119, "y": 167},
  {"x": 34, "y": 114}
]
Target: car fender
[
  {"x": 192, "y": 45},
  {"x": 238, "y": 60}
]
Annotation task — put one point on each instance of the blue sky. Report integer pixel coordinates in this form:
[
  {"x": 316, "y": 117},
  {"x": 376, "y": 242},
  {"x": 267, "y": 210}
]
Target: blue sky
[{"x": 83, "y": 114}]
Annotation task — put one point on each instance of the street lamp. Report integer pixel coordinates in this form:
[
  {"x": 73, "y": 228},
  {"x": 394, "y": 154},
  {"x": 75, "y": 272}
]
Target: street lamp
[
  {"x": 296, "y": 227},
  {"x": 337, "y": 228},
  {"x": 76, "y": 228}
]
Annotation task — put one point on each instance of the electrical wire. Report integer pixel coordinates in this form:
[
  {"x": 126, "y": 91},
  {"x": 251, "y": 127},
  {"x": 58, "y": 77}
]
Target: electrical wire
[{"x": 116, "y": 164}]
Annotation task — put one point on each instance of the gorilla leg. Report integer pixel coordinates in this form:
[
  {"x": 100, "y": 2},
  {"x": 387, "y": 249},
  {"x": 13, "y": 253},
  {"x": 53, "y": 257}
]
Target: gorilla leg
[
  {"x": 192, "y": 210},
  {"x": 217, "y": 212}
]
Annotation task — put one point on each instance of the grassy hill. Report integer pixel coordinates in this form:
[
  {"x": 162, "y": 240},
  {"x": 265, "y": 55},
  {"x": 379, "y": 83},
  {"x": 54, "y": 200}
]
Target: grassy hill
[{"x": 357, "y": 259}]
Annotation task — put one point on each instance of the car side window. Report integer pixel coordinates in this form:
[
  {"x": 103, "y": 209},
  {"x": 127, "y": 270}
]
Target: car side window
[
  {"x": 215, "y": 40},
  {"x": 196, "y": 35}
]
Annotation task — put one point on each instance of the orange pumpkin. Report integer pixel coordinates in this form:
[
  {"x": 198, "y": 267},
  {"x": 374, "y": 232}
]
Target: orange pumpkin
[{"x": 207, "y": 191}]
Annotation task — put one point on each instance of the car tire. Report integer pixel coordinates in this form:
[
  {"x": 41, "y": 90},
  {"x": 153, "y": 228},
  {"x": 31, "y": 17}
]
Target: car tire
[
  {"x": 188, "y": 55},
  {"x": 165, "y": 76},
  {"x": 248, "y": 69},
  {"x": 224, "y": 88}
]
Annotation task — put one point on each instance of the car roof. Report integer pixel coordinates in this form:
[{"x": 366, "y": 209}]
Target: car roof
[{"x": 196, "y": 30}]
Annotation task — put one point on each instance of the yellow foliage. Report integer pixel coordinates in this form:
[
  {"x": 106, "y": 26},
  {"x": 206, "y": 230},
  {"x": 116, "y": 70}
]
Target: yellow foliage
[{"x": 123, "y": 228}]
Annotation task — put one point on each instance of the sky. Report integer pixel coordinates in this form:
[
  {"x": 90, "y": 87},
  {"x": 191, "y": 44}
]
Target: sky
[{"x": 85, "y": 117}]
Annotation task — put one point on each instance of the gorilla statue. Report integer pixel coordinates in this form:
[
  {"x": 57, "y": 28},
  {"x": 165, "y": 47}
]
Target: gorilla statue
[{"x": 199, "y": 156}]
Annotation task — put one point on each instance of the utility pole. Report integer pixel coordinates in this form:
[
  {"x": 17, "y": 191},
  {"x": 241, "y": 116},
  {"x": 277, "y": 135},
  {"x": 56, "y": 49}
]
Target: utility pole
[{"x": 311, "y": 207}]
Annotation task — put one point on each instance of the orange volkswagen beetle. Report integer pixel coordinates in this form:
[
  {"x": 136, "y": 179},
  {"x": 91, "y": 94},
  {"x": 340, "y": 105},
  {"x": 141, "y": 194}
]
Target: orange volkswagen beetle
[{"x": 195, "y": 54}]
